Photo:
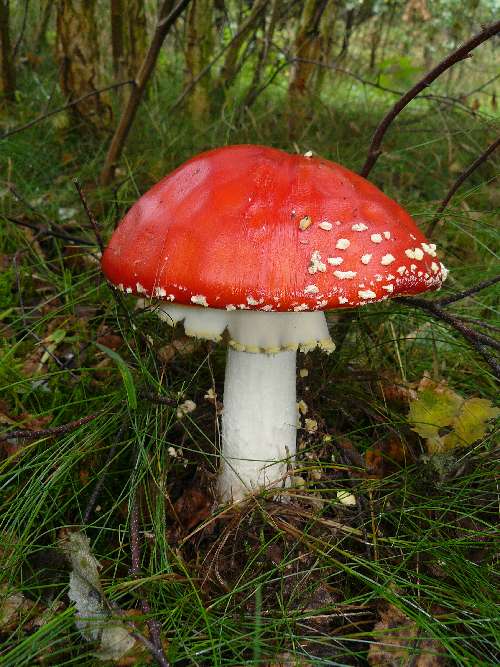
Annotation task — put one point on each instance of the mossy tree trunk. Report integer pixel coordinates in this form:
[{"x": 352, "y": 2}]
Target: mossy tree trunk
[
  {"x": 198, "y": 51},
  {"x": 268, "y": 23},
  {"x": 77, "y": 52},
  {"x": 307, "y": 47},
  {"x": 116, "y": 7},
  {"x": 40, "y": 37},
  {"x": 134, "y": 38},
  {"x": 326, "y": 43},
  {"x": 232, "y": 61},
  {"x": 7, "y": 70},
  {"x": 128, "y": 39}
]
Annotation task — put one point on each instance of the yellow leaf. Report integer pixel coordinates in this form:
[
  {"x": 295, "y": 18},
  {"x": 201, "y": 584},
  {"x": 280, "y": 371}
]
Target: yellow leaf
[
  {"x": 436, "y": 407},
  {"x": 471, "y": 423},
  {"x": 445, "y": 419}
]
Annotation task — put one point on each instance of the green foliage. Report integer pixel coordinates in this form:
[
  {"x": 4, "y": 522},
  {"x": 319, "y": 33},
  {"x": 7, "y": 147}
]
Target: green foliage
[
  {"x": 305, "y": 582},
  {"x": 127, "y": 378},
  {"x": 446, "y": 420}
]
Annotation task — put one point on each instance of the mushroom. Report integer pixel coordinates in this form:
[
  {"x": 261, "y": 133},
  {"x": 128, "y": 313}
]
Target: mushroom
[{"x": 258, "y": 242}]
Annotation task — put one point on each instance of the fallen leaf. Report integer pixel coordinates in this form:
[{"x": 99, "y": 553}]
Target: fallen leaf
[
  {"x": 446, "y": 420},
  {"x": 112, "y": 341},
  {"x": 471, "y": 423},
  {"x": 382, "y": 459},
  {"x": 399, "y": 643},
  {"x": 435, "y": 407},
  {"x": 93, "y": 617},
  {"x": 12, "y": 605},
  {"x": 193, "y": 507},
  {"x": 179, "y": 346}
]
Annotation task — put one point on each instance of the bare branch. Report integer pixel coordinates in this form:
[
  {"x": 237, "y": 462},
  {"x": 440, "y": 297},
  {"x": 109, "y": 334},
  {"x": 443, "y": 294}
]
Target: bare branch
[
  {"x": 63, "y": 108},
  {"x": 445, "y": 301},
  {"x": 461, "y": 178},
  {"x": 26, "y": 434},
  {"x": 445, "y": 99},
  {"x": 90, "y": 215},
  {"x": 153, "y": 625},
  {"x": 458, "y": 55},
  {"x": 47, "y": 231},
  {"x": 103, "y": 473},
  {"x": 118, "y": 141},
  {"x": 479, "y": 341},
  {"x": 21, "y": 32}
]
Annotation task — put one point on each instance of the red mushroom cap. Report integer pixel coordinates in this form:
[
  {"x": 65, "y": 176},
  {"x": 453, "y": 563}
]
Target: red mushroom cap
[{"x": 254, "y": 227}]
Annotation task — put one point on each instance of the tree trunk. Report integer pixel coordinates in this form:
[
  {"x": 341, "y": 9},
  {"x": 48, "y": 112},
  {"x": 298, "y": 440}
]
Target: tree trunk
[
  {"x": 40, "y": 38},
  {"x": 269, "y": 24},
  {"x": 77, "y": 50},
  {"x": 326, "y": 41},
  {"x": 165, "y": 22},
  {"x": 7, "y": 71},
  {"x": 231, "y": 64},
  {"x": 307, "y": 46},
  {"x": 117, "y": 37},
  {"x": 136, "y": 37},
  {"x": 199, "y": 46}
]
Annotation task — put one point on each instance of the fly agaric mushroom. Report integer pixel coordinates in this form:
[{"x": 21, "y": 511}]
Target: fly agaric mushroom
[{"x": 258, "y": 242}]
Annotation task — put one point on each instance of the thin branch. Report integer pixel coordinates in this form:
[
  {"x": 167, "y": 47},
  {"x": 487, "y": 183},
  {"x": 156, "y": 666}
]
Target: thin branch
[
  {"x": 135, "y": 549},
  {"x": 26, "y": 434},
  {"x": 157, "y": 654},
  {"x": 461, "y": 178},
  {"x": 434, "y": 98},
  {"x": 103, "y": 474},
  {"x": 481, "y": 87},
  {"x": 162, "y": 400},
  {"x": 21, "y": 32},
  {"x": 23, "y": 201},
  {"x": 66, "y": 106},
  {"x": 209, "y": 65},
  {"x": 47, "y": 231},
  {"x": 445, "y": 301},
  {"x": 479, "y": 323},
  {"x": 90, "y": 215},
  {"x": 118, "y": 141},
  {"x": 479, "y": 341},
  {"x": 458, "y": 55}
]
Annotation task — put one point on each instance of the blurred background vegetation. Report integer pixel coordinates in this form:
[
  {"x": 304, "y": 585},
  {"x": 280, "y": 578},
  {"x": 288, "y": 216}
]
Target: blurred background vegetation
[{"x": 385, "y": 553}]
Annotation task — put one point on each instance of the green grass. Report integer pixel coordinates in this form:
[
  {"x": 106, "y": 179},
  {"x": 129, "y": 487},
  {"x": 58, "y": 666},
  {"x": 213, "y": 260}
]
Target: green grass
[{"x": 306, "y": 579}]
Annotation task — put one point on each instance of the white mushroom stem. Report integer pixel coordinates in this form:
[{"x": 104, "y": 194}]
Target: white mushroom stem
[
  {"x": 259, "y": 418},
  {"x": 258, "y": 422}
]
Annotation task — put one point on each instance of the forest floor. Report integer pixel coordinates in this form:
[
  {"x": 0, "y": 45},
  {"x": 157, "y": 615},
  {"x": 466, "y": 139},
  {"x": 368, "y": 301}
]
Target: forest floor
[{"x": 385, "y": 552}]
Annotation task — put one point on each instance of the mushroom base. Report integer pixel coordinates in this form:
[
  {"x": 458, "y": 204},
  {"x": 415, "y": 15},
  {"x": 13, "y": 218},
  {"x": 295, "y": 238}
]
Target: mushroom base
[{"x": 258, "y": 422}]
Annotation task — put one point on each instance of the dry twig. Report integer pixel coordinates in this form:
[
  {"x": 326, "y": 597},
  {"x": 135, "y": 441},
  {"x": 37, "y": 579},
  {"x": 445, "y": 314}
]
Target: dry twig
[
  {"x": 90, "y": 215},
  {"x": 481, "y": 342},
  {"x": 103, "y": 473},
  {"x": 458, "y": 55},
  {"x": 461, "y": 178},
  {"x": 117, "y": 143},
  {"x": 26, "y": 434},
  {"x": 64, "y": 107},
  {"x": 153, "y": 625}
]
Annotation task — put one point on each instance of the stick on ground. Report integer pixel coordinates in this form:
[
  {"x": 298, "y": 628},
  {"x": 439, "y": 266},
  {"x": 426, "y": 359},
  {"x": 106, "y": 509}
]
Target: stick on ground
[{"x": 458, "y": 55}]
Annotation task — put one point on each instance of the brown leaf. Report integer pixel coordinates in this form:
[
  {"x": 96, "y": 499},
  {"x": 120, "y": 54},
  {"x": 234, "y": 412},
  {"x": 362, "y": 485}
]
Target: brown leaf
[
  {"x": 193, "y": 507},
  {"x": 400, "y": 644},
  {"x": 13, "y": 606},
  {"x": 113, "y": 341},
  {"x": 182, "y": 346},
  {"x": 22, "y": 421},
  {"x": 382, "y": 459}
]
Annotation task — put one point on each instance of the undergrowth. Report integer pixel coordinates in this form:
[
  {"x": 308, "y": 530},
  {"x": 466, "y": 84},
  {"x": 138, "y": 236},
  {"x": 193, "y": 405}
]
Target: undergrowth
[{"x": 309, "y": 581}]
